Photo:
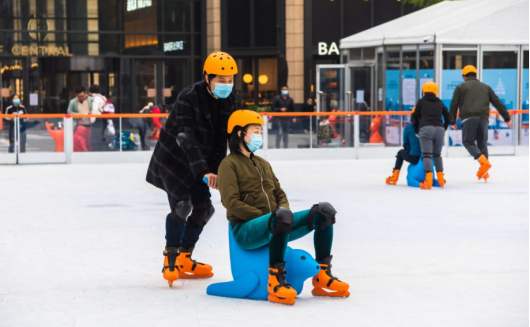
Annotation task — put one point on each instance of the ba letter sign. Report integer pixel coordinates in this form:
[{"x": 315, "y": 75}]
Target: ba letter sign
[{"x": 323, "y": 49}]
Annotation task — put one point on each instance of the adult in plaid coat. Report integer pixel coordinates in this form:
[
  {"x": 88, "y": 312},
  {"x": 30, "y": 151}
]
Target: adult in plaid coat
[{"x": 192, "y": 144}]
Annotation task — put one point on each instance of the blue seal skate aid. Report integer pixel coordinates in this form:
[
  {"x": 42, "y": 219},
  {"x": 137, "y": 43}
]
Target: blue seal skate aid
[
  {"x": 416, "y": 174},
  {"x": 251, "y": 274}
]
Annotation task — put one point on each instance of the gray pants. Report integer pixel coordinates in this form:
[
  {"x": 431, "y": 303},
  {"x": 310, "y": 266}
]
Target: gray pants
[
  {"x": 432, "y": 141},
  {"x": 475, "y": 136}
]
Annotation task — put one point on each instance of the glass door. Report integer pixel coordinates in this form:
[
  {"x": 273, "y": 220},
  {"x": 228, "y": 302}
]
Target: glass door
[
  {"x": 499, "y": 71},
  {"x": 11, "y": 82},
  {"x": 361, "y": 99},
  {"x": 331, "y": 97}
]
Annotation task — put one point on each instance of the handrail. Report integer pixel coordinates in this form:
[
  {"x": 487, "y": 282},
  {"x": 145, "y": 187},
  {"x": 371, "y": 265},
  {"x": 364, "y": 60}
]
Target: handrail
[{"x": 271, "y": 114}]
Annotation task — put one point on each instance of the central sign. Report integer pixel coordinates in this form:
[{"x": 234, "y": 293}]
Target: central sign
[{"x": 51, "y": 50}]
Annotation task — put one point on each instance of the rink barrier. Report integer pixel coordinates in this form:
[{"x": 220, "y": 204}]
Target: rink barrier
[
  {"x": 356, "y": 150},
  {"x": 270, "y": 114}
]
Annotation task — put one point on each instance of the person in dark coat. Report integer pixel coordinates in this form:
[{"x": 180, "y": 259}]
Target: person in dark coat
[
  {"x": 283, "y": 103},
  {"x": 191, "y": 145}
]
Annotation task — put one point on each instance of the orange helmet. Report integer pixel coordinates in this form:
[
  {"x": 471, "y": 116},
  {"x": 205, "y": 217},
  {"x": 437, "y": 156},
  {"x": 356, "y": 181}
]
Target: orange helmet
[
  {"x": 469, "y": 69},
  {"x": 243, "y": 118},
  {"x": 220, "y": 63},
  {"x": 430, "y": 87}
]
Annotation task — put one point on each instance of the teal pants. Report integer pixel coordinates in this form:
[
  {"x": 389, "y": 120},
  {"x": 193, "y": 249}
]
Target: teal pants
[{"x": 255, "y": 233}]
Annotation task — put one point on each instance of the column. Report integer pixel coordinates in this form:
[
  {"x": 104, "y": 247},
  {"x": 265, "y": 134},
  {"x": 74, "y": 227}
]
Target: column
[
  {"x": 294, "y": 41},
  {"x": 213, "y": 23}
]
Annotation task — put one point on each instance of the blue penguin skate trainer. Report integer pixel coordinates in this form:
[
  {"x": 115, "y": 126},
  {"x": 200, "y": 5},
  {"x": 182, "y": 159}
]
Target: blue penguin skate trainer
[{"x": 249, "y": 270}]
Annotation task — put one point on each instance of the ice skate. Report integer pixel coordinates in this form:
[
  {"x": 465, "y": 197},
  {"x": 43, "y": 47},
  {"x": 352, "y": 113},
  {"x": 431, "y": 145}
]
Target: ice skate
[
  {"x": 427, "y": 185},
  {"x": 170, "y": 270},
  {"x": 190, "y": 268},
  {"x": 441, "y": 179},
  {"x": 325, "y": 284},
  {"x": 279, "y": 290},
  {"x": 485, "y": 167},
  {"x": 393, "y": 180}
]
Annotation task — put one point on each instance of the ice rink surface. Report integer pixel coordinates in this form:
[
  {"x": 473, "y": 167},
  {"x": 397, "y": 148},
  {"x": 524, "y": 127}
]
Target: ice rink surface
[{"x": 81, "y": 245}]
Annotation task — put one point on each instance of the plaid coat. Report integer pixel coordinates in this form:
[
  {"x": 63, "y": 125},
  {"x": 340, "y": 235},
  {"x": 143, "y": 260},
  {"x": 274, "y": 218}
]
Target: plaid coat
[{"x": 173, "y": 170}]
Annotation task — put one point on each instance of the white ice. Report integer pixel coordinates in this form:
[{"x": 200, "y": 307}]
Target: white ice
[{"x": 81, "y": 245}]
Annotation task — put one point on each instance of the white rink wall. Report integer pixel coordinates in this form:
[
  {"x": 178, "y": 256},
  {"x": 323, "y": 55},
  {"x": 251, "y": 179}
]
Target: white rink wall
[{"x": 81, "y": 245}]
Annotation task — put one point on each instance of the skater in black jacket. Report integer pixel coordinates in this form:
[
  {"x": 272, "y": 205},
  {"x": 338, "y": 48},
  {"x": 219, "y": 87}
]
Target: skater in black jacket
[
  {"x": 191, "y": 146},
  {"x": 427, "y": 121}
]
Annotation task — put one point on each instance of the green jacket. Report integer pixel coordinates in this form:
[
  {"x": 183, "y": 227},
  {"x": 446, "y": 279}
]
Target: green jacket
[
  {"x": 473, "y": 98},
  {"x": 249, "y": 189},
  {"x": 72, "y": 106}
]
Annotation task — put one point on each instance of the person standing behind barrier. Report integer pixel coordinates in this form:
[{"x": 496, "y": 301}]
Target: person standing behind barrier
[
  {"x": 309, "y": 106},
  {"x": 473, "y": 98},
  {"x": 411, "y": 152},
  {"x": 82, "y": 104},
  {"x": 283, "y": 103},
  {"x": 16, "y": 108},
  {"x": 427, "y": 120},
  {"x": 100, "y": 105}
]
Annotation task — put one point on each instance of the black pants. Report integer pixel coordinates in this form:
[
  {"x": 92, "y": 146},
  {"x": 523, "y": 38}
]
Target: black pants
[
  {"x": 403, "y": 155},
  {"x": 21, "y": 139},
  {"x": 187, "y": 234},
  {"x": 283, "y": 131},
  {"x": 475, "y": 136}
]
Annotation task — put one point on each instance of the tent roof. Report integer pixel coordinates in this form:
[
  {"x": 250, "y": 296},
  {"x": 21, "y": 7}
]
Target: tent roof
[{"x": 495, "y": 22}]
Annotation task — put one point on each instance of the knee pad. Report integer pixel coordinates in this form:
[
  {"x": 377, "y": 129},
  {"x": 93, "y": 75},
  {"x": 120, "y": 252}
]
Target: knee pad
[
  {"x": 202, "y": 213},
  {"x": 427, "y": 155},
  {"x": 437, "y": 155},
  {"x": 182, "y": 211},
  {"x": 326, "y": 210},
  {"x": 284, "y": 221}
]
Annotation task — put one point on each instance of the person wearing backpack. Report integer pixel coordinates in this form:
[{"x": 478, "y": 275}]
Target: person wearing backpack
[
  {"x": 325, "y": 132},
  {"x": 101, "y": 106}
]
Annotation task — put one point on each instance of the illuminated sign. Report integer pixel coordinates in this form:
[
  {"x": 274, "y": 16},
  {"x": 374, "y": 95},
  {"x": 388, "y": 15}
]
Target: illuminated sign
[
  {"x": 138, "y": 4},
  {"x": 174, "y": 46},
  {"x": 13, "y": 67},
  {"x": 50, "y": 50},
  {"x": 323, "y": 49}
]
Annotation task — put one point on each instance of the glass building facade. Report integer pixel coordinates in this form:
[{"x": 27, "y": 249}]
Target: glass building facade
[{"x": 138, "y": 51}]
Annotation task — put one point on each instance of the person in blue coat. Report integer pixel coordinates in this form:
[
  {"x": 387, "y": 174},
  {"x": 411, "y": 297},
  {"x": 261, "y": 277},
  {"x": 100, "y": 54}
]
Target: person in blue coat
[{"x": 411, "y": 153}]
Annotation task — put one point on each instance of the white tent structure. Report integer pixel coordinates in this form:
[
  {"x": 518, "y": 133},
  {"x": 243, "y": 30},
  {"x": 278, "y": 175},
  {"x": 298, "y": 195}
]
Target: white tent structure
[
  {"x": 385, "y": 67},
  {"x": 452, "y": 22}
]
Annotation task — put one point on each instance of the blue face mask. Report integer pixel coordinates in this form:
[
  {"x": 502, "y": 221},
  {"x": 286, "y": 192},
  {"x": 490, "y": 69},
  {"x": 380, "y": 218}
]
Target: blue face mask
[
  {"x": 285, "y": 93},
  {"x": 256, "y": 141},
  {"x": 222, "y": 91},
  {"x": 16, "y": 102}
]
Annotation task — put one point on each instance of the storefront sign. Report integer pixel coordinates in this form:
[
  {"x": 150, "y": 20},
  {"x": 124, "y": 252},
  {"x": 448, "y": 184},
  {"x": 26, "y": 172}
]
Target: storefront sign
[
  {"x": 138, "y": 4},
  {"x": 324, "y": 50},
  {"x": 173, "y": 46},
  {"x": 51, "y": 50}
]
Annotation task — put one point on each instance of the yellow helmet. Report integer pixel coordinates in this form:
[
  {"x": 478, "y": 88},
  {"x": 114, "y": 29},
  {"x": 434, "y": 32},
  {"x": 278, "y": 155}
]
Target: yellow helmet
[
  {"x": 243, "y": 118},
  {"x": 430, "y": 87},
  {"x": 469, "y": 69},
  {"x": 220, "y": 63}
]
